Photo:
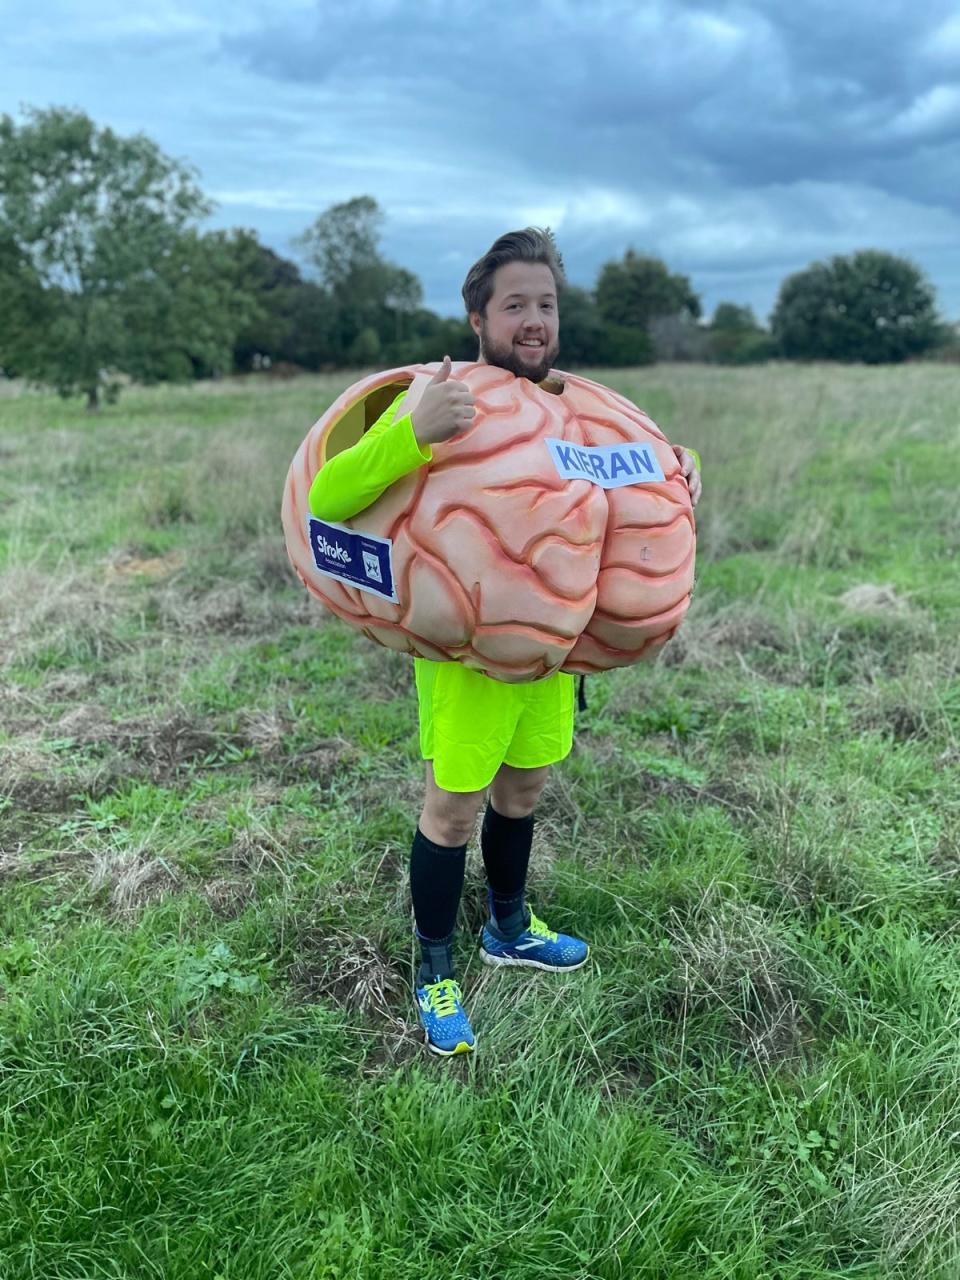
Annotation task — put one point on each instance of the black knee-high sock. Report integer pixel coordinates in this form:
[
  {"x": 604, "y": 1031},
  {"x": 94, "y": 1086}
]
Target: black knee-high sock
[
  {"x": 505, "y": 844},
  {"x": 436, "y": 883}
]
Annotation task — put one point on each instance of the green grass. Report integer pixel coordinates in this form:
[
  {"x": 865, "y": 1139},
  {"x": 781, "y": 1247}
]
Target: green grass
[{"x": 209, "y": 1060}]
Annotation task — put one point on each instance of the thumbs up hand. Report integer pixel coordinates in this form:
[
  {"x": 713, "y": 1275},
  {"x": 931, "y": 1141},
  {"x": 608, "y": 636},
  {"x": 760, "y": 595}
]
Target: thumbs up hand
[{"x": 445, "y": 408}]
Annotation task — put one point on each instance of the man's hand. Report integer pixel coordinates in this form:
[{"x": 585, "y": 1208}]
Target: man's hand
[
  {"x": 445, "y": 408},
  {"x": 690, "y": 472}
]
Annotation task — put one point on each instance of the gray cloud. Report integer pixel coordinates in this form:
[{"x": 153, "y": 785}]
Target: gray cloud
[
  {"x": 757, "y": 92},
  {"x": 740, "y": 140}
]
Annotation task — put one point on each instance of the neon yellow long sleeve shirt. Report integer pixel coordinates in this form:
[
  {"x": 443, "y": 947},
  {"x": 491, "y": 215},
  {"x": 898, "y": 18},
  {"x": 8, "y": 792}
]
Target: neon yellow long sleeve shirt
[{"x": 354, "y": 479}]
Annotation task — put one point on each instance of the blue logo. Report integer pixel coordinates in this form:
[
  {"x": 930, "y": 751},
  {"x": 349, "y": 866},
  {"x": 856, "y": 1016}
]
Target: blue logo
[
  {"x": 608, "y": 465},
  {"x": 356, "y": 559}
]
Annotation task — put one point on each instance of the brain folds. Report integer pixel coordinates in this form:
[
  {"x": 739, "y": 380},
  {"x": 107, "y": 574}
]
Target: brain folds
[{"x": 499, "y": 561}]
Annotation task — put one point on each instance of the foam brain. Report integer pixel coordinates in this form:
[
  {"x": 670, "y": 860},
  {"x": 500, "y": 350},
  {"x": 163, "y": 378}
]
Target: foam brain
[{"x": 506, "y": 557}]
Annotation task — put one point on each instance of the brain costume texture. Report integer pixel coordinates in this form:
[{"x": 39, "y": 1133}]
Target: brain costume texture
[{"x": 500, "y": 559}]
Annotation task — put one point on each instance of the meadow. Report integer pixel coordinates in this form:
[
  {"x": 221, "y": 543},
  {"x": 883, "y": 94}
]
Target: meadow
[{"x": 210, "y": 1065}]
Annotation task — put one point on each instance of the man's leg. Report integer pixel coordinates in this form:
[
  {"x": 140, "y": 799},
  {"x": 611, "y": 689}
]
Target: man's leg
[
  {"x": 515, "y": 792},
  {"x": 437, "y": 862},
  {"x": 505, "y": 841},
  {"x": 513, "y": 935},
  {"x": 436, "y": 883}
]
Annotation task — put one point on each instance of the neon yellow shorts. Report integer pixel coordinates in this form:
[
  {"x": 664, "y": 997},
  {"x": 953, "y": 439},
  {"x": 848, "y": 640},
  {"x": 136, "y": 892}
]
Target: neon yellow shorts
[{"x": 471, "y": 724}]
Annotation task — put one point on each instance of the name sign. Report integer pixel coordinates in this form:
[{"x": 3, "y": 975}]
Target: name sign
[
  {"x": 357, "y": 559},
  {"x": 608, "y": 465}
]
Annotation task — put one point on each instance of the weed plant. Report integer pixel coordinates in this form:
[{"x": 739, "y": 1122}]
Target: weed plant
[{"x": 210, "y": 1064}]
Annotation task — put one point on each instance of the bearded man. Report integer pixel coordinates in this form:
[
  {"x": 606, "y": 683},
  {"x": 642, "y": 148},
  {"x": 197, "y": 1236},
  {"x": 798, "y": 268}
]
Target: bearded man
[{"x": 482, "y": 740}]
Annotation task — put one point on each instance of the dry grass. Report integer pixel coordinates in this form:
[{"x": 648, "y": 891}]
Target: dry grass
[
  {"x": 356, "y": 972},
  {"x": 713, "y": 635},
  {"x": 70, "y": 614},
  {"x": 132, "y": 878},
  {"x": 730, "y": 957},
  {"x": 866, "y": 597}
]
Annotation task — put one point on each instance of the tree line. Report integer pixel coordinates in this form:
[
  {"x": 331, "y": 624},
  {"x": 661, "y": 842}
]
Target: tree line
[{"x": 105, "y": 274}]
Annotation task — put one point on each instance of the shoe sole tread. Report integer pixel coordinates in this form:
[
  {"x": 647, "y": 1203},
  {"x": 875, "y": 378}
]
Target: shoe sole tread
[{"x": 509, "y": 961}]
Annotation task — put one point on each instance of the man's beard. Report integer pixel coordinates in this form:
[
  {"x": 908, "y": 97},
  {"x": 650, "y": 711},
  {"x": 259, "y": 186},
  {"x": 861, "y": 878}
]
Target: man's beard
[{"x": 504, "y": 357}]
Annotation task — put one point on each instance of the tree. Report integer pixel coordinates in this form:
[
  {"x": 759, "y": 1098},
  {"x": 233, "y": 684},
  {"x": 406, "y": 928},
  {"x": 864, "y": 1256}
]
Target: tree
[
  {"x": 403, "y": 295},
  {"x": 365, "y": 348},
  {"x": 581, "y": 329},
  {"x": 367, "y": 292},
  {"x": 625, "y": 345},
  {"x": 736, "y": 338},
  {"x": 200, "y": 300},
  {"x": 870, "y": 306},
  {"x": 343, "y": 242},
  {"x": 293, "y": 320},
  {"x": 639, "y": 289},
  {"x": 273, "y": 282},
  {"x": 312, "y": 341},
  {"x": 109, "y": 273},
  {"x": 24, "y": 306},
  {"x": 728, "y": 317}
]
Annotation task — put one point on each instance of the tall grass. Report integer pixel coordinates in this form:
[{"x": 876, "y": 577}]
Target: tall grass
[{"x": 209, "y": 1060}]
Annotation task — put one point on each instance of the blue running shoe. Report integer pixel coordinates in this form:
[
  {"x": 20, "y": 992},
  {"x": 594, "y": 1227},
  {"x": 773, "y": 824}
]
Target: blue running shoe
[
  {"x": 538, "y": 947},
  {"x": 447, "y": 1027}
]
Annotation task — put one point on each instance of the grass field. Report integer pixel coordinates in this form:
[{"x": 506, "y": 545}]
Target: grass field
[{"x": 209, "y": 1061}]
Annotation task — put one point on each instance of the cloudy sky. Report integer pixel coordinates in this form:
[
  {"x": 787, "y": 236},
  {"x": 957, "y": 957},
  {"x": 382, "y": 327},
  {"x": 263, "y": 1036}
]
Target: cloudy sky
[{"x": 738, "y": 141}]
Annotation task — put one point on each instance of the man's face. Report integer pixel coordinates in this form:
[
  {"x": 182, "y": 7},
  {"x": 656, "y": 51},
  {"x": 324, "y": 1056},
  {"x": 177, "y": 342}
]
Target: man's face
[{"x": 521, "y": 327}]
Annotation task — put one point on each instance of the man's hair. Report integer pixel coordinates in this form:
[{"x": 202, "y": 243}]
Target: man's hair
[{"x": 529, "y": 245}]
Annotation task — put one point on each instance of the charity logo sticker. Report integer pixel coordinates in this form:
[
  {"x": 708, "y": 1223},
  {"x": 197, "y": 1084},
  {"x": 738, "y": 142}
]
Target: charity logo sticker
[{"x": 356, "y": 559}]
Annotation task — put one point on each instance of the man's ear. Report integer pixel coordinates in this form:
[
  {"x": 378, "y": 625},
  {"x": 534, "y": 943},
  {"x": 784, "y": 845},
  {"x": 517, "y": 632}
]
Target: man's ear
[{"x": 474, "y": 318}]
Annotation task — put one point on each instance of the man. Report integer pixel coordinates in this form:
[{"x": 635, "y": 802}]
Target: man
[{"x": 481, "y": 739}]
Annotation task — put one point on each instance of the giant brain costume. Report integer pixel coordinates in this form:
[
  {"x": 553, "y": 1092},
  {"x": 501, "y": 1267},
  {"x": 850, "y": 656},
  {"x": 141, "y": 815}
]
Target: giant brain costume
[{"x": 555, "y": 534}]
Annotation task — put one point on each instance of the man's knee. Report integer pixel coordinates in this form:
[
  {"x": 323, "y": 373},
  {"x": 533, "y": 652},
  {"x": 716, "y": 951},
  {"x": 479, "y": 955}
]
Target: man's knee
[
  {"x": 449, "y": 817},
  {"x": 515, "y": 792}
]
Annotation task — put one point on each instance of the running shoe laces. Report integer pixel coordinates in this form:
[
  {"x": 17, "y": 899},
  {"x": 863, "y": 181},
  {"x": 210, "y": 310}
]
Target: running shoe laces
[
  {"x": 443, "y": 997},
  {"x": 540, "y": 929}
]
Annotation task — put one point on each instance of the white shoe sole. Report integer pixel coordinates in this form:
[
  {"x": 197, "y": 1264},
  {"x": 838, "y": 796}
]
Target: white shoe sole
[{"x": 499, "y": 962}]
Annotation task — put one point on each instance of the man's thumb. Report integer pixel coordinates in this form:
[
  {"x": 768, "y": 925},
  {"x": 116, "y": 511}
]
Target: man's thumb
[{"x": 443, "y": 373}]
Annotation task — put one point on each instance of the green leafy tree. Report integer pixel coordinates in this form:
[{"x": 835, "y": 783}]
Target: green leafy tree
[
  {"x": 455, "y": 338},
  {"x": 293, "y": 322},
  {"x": 871, "y": 306},
  {"x": 367, "y": 292},
  {"x": 343, "y": 242},
  {"x": 198, "y": 301},
  {"x": 273, "y": 282},
  {"x": 24, "y": 307},
  {"x": 634, "y": 292},
  {"x": 312, "y": 341},
  {"x": 109, "y": 274}
]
